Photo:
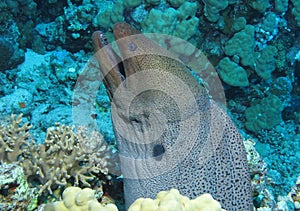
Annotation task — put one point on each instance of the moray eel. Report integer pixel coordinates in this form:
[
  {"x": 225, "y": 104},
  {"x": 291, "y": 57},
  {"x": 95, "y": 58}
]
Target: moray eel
[{"x": 169, "y": 132}]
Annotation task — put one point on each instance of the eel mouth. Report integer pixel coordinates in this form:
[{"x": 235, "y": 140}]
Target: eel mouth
[{"x": 112, "y": 66}]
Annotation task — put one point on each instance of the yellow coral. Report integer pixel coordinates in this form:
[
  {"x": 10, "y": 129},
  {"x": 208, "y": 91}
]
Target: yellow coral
[
  {"x": 77, "y": 199},
  {"x": 173, "y": 201}
]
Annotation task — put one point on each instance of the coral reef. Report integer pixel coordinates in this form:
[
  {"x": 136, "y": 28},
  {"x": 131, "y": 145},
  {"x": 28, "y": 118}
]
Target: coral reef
[
  {"x": 74, "y": 198},
  {"x": 16, "y": 25},
  {"x": 14, "y": 139},
  {"x": 15, "y": 192},
  {"x": 232, "y": 73},
  {"x": 260, "y": 5},
  {"x": 62, "y": 157},
  {"x": 242, "y": 44},
  {"x": 264, "y": 113},
  {"x": 11, "y": 56},
  {"x": 294, "y": 195},
  {"x": 173, "y": 200},
  {"x": 20, "y": 99},
  {"x": 262, "y": 198},
  {"x": 296, "y": 11},
  {"x": 259, "y": 39},
  {"x": 265, "y": 62},
  {"x": 110, "y": 14},
  {"x": 212, "y": 9},
  {"x": 181, "y": 22},
  {"x": 281, "y": 156},
  {"x": 281, "y": 5}
]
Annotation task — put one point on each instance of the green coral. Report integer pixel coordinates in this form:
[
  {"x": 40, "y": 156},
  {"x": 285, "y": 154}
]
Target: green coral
[
  {"x": 239, "y": 24},
  {"x": 265, "y": 62},
  {"x": 242, "y": 44},
  {"x": 282, "y": 86},
  {"x": 111, "y": 15},
  {"x": 153, "y": 2},
  {"x": 176, "y": 3},
  {"x": 232, "y": 73},
  {"x": 167, "y": 21},
  {"x": 213, "y": 8},
  {"x": 182, "y": 22},
  {"x": 270, "y": 23},
  {"x": 296, "y": 11},
  {"x": 260, "y": 5},
  {"x": 187, "y": 10},
  {"x": 281, "y": 5},
  {"x": 132, "y": 3},
  {"x": 263, "y": 114}
]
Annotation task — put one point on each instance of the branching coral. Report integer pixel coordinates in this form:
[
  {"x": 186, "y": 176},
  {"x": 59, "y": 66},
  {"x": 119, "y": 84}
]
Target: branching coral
[
  {"x": 98, "y": 152},
  {"x": 59, "y": 159},
  {"x": 63, "y": 156},
  {"x": 13, "y": 139}
]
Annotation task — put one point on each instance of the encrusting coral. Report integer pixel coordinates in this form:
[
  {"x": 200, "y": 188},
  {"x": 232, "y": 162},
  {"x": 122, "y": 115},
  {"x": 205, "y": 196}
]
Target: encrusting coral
[{"x": 64, "y": 155}]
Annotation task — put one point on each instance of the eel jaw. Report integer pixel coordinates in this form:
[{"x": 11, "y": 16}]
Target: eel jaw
[{"x": 111, "y": 65}]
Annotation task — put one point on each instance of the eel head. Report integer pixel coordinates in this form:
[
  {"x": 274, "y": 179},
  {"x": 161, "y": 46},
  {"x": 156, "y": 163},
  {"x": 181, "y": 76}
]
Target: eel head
[{"x": 148, "y": 87}]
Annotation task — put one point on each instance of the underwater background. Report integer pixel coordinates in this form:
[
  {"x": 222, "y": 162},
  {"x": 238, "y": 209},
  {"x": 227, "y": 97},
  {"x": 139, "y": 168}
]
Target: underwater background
[{"x": 45, "y": 45}]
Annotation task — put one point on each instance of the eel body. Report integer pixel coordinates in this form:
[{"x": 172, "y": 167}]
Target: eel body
[{"x": 169, "y": 133}]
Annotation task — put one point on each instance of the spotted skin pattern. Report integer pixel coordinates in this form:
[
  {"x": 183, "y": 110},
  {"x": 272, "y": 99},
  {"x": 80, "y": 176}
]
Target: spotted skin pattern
[{"x": 174, "y": 135}]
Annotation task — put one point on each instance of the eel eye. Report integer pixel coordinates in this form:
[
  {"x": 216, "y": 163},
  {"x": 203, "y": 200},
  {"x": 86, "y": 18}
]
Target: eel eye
[
  {"x": 103, "y": 39},
  {"x": 132, "y": 46}
]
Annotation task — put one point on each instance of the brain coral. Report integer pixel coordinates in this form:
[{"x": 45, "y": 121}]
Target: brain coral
[
  {"x": 172, "y": 200},
  {"x": 77, "y": 199}
]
